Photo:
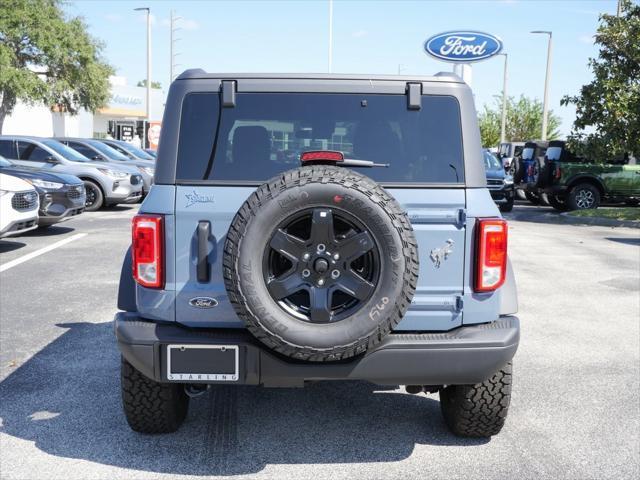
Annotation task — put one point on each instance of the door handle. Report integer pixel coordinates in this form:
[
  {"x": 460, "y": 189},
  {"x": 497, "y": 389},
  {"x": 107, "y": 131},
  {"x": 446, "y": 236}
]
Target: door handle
[{"x": 202, "y": 267}]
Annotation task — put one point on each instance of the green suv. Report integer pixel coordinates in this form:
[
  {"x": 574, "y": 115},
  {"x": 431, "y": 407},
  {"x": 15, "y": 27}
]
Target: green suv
[{"x": 571, "y": 183}]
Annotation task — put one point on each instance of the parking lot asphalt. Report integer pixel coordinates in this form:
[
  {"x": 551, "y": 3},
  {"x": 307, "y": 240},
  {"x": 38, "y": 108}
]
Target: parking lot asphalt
[{"x": 575, "y": 410}]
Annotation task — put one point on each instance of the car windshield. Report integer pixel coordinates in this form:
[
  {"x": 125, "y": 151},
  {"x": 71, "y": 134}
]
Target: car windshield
[
  {"x": 491, "y": 162},
  {"x": 107, "y": 151},
  {"x": 553, "y": 153},
  {"x": 64, "y": 151},
  {"x": 138, "y": 152},
  {"x": 527, "y": 153}
]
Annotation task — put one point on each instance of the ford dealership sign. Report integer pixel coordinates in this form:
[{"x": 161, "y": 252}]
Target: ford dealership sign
[{"x": 463, "y": 47}]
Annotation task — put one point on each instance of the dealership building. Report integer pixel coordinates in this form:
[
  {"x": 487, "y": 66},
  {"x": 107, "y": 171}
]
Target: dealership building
[{"x": 122, "y": 118}]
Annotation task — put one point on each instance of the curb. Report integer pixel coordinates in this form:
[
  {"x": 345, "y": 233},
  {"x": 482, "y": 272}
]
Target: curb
[{"x": 599, "y": 221}]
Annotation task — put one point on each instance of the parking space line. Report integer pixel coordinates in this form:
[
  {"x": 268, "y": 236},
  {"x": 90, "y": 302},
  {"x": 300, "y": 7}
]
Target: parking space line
[{"x": 37, "y": 253}]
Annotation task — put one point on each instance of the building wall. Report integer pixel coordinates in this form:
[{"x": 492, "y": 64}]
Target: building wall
[
  {"x": 29, "y": 120},
  {"x": 127, "y": 102}
]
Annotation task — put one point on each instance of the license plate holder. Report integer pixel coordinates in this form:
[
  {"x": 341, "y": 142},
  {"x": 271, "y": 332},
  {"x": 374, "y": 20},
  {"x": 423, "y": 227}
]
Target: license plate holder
[{"x": 204, "y": 363}]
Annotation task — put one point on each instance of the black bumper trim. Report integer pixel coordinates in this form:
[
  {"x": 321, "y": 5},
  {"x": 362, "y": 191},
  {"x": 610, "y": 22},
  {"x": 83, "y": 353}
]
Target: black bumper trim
[{"x": 466, "y": 355}]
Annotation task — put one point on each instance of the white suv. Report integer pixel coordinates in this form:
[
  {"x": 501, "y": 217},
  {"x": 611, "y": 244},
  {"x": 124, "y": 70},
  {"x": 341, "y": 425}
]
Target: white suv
[{"x": 19, "y": 205}]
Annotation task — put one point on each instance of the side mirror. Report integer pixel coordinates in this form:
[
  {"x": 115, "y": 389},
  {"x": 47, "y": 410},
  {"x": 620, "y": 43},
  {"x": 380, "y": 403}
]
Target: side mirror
[{"x": 51, "y": 160}]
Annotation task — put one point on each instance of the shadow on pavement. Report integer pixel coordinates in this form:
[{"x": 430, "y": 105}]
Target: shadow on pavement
[
  {"x": 119, "y": 207},
  {"x": 625, "y": 240},
  {"x": 66, "y": 399},
  {"x": 10, "y": 246},
  {"x": 48, "y": 231}
]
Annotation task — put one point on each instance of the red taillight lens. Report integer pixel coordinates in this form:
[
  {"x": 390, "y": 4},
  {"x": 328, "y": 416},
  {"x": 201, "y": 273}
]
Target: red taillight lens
[
  {"x": 147, "y": 251},
  {"x": 491, "y": 254},
  {"x": 326, "y": 155},
  {"x": 558, "y": 173}
]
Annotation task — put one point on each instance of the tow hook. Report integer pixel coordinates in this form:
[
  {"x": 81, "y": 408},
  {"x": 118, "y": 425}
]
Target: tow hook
[
  {"x": 194, "y": 390},
  {"x": 415, "y": 389}
]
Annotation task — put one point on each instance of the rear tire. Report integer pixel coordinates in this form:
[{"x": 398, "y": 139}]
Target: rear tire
[
  {"x": 558, "y": 202},
  {"x": 95, "y": 197},
  {"x": 150, "y": 406},
  {"x": 533, "y": 198},
  {"x": 478, "y": 410},
  {"x": 583, "y": 196},
  {"x": 507, "y": 207}
]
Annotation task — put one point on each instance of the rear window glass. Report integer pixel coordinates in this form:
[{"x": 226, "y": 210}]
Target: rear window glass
[
  {"x": 554, "y": 153},
  {"x": 265, "y": 133},
  {"x": 527, "y": 153}
]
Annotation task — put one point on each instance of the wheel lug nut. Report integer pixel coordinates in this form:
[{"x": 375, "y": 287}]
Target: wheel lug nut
[
  {"x": 306, "y": 273},
  {"x": 321, "y": 247},
  {"x": 306, "y": 257},
  {"x": 336, "y": 256},
  {"x": 335, "y": 273},
  {"x": 321, "y": 282}
]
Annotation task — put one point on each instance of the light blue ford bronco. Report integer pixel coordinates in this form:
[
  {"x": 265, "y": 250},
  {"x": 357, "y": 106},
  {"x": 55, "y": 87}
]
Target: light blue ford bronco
[{"x": 318, "y": 227}]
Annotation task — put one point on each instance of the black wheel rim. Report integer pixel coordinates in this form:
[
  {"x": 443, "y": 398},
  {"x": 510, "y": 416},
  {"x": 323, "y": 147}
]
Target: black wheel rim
[
  {"x": 321, "y": 265},
  {"x": 91, "y": 196}
]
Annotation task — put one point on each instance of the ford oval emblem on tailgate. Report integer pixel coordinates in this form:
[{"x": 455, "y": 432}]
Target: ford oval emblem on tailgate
[
  {"x": 464, "y": 46},
  {"x": 203, "y": 302}
]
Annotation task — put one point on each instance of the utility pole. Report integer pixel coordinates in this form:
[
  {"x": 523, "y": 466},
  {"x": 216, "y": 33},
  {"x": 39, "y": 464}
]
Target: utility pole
[
  {"x": 503, "y": 126},
  {"x": 545, "y": 105},
  {"x": 172, "y": 42},
  {"x": 330, "y": 36},
  {"x": 148, "y": 110}
]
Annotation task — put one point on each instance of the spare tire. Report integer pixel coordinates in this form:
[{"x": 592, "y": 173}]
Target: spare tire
[
  {"x": 517, "y": 170},
  {"x": 320, "y": 263}
]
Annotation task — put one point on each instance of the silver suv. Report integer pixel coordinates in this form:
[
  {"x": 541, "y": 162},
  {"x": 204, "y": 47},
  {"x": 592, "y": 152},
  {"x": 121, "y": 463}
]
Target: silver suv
[
  {"x": 100, "y": 152},
  {"x": 105, "y": 183}
]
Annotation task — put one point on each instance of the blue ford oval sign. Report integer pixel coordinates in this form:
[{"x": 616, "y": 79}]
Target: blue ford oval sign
[{"x": 464, "y": 46}]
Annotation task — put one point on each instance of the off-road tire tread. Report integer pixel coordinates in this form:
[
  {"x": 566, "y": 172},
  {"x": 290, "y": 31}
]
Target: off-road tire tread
[
  {"x": 326, "y": 175},
  {"x": 478, "y": 410},
  {"x": 150, "y": 406}
]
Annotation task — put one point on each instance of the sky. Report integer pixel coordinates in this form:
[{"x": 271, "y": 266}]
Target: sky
[{"x": 369, "y": 37}]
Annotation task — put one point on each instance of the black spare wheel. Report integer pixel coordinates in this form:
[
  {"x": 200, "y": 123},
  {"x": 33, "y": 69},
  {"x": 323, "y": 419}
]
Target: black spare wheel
[{"x": 320, "y": 263}]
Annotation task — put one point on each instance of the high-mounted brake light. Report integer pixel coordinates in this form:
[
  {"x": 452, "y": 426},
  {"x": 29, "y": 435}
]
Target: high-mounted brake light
[
  {"x": 322, "y": 155},
  {"x": 147, "y": 250},
  {"x": 491, "y": 254}
]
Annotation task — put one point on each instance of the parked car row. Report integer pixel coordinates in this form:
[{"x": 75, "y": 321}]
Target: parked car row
[
  {"x": 549, "y": 172},
  {"x": 499, "y": 182},
  {"x": 111, "y": 171},
  {"x": 60, "y": 196}
]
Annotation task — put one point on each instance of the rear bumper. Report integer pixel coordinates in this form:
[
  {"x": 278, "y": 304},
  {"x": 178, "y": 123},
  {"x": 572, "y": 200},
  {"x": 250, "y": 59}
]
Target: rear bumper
[{"x": 466, "y": 355}]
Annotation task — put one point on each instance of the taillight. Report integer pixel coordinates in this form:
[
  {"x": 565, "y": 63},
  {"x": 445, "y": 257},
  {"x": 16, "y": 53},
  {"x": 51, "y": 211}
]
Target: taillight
[
  {"x": 147, "y": 250},
  {"x": 491, "y": 254},
  {"x": 558, "y": 173}
]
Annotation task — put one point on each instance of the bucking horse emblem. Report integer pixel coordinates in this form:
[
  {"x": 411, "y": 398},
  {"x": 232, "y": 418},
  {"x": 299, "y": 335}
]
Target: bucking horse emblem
[{"x": 439, "y": 255}]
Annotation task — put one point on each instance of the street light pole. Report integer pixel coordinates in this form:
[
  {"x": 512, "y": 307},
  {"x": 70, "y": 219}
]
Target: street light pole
[
  {"x": 503, "y": 125},
  {"x": 148, "y": 109},
  {"x": 330, "y": 35},
  {"x": 545, "y": 105},
  {"x": 172, "y": 42}
]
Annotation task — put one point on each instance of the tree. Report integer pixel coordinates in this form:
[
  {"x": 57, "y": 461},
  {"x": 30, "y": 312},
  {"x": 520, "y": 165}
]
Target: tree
[
  {"x": 524, "y": 121},
  {"x": 47, "y": 58},
  {"x": 155, "y": 85},
  {"x": 607, "y": 121}
]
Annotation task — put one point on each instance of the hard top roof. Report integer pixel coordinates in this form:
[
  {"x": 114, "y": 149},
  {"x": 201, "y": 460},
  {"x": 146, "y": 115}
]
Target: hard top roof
[{"x": 198, "y": 73}]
